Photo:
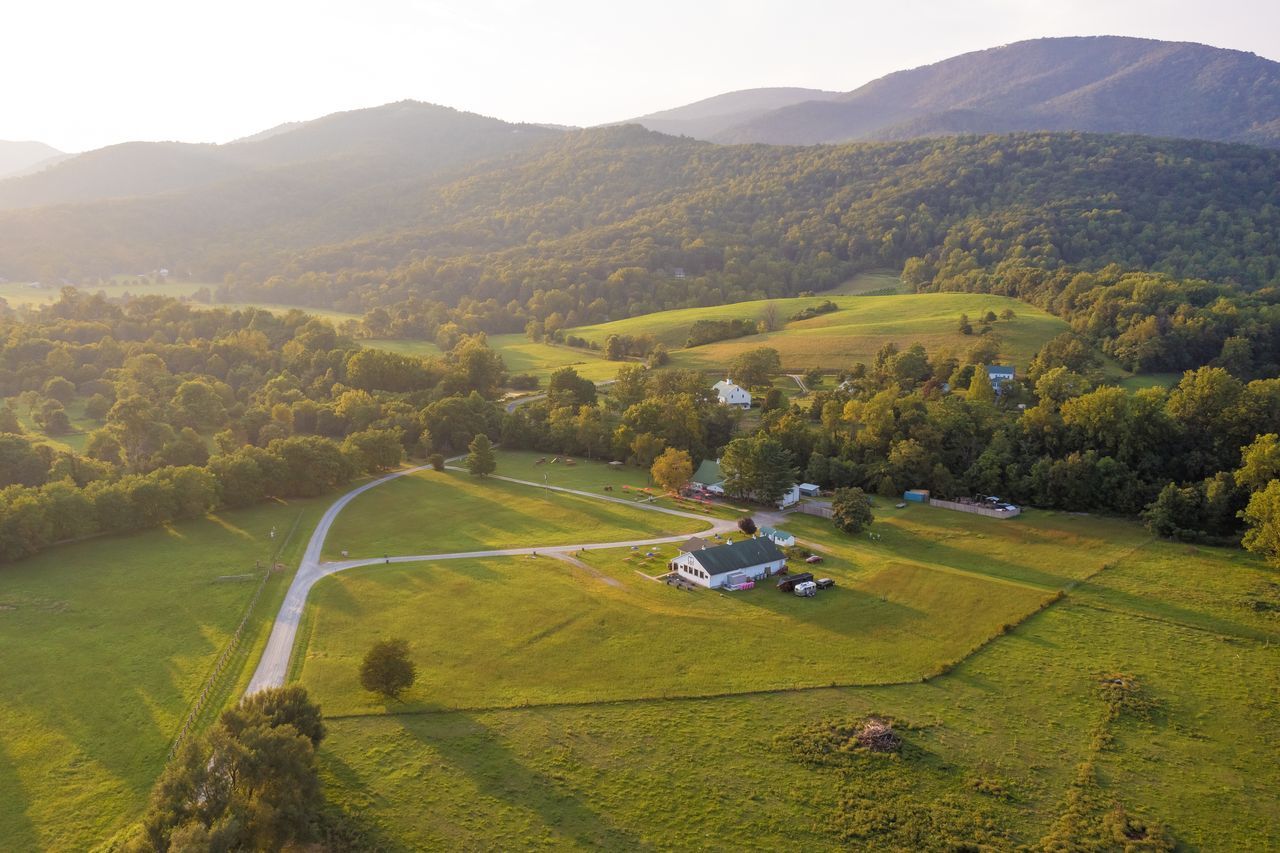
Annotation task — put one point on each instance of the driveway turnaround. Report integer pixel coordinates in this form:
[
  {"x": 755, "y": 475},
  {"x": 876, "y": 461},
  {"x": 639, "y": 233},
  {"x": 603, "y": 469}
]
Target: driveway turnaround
[{"x": 274, "y": 665}]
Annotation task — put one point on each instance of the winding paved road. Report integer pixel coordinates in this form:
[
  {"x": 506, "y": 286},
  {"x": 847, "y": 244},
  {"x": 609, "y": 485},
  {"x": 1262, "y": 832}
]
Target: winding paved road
[{"x": 274, "y": 664}]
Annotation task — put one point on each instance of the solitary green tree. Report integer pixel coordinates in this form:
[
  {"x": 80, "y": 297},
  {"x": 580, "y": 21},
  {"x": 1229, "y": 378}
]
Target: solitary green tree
[
  {"x": 387, "y": 668},
  {"x": 481, "y": 462},
  {"x": 1263, "y": 517},
  {"x": 851, "y": 510}
]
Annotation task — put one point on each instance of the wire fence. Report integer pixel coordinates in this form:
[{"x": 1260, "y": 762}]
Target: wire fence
[{"x": 211, "y": 683}]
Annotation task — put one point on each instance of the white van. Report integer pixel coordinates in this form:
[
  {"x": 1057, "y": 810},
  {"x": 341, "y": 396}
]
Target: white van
[{"x": 806, "y": 589}]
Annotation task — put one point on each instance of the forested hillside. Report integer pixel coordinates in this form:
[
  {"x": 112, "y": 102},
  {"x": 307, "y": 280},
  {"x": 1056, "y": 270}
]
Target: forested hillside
[{"x": 616, "y": 222}]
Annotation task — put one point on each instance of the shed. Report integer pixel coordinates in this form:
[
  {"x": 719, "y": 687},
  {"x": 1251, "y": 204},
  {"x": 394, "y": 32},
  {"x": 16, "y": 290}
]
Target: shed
[
  {"x": 778, "y": 537},
  {"x": 809, "y": 490}
]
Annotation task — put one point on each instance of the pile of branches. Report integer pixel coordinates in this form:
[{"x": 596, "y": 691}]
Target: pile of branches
[{"x": 877, "y": 735}]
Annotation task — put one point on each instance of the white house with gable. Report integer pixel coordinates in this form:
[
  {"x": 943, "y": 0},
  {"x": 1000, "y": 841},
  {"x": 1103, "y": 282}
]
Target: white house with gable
[
  {"x": 749, "y": 559},
  {"x": 732, "y": 395}
]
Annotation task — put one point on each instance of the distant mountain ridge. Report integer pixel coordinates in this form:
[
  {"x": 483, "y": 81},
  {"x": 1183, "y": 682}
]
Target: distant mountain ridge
[
  {"x": 1099, "y": 84},
  {"x": 711, "y": 116},
  {"x": 391, "y": 141},
  {"x": 19, "y": 157}
]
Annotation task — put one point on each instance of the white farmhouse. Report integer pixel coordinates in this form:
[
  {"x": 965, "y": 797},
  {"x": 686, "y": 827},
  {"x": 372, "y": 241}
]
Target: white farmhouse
[
  {"x": 755, "y": 559},
  {"x": 732, "y": 395}
]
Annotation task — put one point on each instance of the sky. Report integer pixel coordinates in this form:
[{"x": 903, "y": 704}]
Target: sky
[{"x": 80, "y": 74}]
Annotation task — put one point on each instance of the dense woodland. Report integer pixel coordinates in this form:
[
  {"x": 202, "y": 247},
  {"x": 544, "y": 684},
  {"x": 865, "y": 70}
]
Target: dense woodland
[{"x": 205, "y": 409}]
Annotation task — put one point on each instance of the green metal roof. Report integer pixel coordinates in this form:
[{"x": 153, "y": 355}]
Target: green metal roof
[
  {"x": 738, "y": 556},
  {"x": 771, "y": 532},
  {"x": 708, "y": 473}
]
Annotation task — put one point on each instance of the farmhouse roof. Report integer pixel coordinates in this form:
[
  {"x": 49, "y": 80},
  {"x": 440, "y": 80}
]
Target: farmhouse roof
[
  {"x": 708, "y": 473},
  {"x": 697, "y": 543},
  {"x": 740, "y": 555},
  {"x": 1000, "y": 370},
  {"x": 772, "y": 532}
]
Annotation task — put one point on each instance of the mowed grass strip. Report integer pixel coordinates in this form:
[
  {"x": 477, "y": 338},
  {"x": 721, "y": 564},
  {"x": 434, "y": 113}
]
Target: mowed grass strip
[
  {"x": 434, "y": 512},
  {"x": 105, "y": 644},
  {"x": 1002, "y": 735}
]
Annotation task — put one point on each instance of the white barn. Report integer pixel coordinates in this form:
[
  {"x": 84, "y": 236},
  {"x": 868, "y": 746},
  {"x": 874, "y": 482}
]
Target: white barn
[
  {"x": 732, "y": 395},
  {"x": 711, "y": 567}
]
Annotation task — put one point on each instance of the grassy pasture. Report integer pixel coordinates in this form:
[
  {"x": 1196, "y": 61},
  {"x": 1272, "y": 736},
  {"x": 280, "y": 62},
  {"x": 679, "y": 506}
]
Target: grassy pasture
[
  {"x": 520, "y": 355},
  {"x": 432, "y": 513},
  {"x": 854, "y": 333},
  {"x": 869, "y": 282},
  {"x": 996, "y": 745},
  {"x": 81, "y": 425},
  {"x": 19, "y": 294},
  {"x": 106, "y": 644},
  {"x": 927, "y": 593}
]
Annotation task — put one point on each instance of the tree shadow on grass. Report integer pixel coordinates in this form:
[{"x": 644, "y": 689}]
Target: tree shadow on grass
[
  {"x": 16, "y": 828},
  {"x": 498, "y": 772}
]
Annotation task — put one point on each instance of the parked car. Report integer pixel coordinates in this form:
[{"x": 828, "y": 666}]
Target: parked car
[
  {"x": 813, "y": 558},
  {"x": 825, "y": 583},
  {"x": 808, "y": 589},
  {"x": 790, "y": 582}
]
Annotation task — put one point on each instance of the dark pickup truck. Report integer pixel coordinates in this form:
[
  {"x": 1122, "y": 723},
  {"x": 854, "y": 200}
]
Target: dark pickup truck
[{"x": 789, "y": 582}]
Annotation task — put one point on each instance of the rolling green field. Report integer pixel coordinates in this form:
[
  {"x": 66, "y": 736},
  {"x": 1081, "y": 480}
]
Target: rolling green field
[
  {"x": 442, "y": 512},
  {"x": 106, "y": 643},
  {"x": 544, "y": 631},
  {"x": 1013, "y": 745},
  {"x": 854, "y": 333},
  {"x": 19, "y": 294},
  {"x": 520, "y": 355}
]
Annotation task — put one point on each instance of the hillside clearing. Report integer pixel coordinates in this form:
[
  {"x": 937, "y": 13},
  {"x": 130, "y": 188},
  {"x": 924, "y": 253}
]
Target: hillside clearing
[{"x": 854, "y": 333}]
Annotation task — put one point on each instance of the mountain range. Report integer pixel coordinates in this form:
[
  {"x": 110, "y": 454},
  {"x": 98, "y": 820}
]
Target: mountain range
[
  {"x": 1099, "y": 84},
  {"x": 366, "y": 146},
  {"x": 17, "y": 158},
  {"x": 381, "y": 173}
]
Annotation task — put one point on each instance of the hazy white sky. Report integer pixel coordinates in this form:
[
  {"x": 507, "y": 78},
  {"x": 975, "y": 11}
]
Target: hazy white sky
[{"x": 79, "y": 74}]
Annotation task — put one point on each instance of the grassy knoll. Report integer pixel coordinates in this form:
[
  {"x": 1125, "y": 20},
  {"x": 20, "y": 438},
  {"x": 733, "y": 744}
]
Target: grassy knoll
[
  {"x": 520, "y": 355},
  {"x": 855, "y": 333},
  {"x": 1013, "y": 746},
  {"x": 432, "y": 513},
  {"x": 106, "y": 644}
]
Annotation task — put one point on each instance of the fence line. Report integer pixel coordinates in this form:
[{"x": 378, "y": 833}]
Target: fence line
[
  {"x": 976, "y": 509},
  {"x": 821, "y": 510},
  {"x": 197, "y": 707}
]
